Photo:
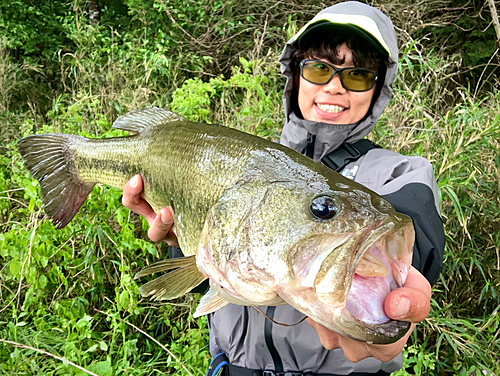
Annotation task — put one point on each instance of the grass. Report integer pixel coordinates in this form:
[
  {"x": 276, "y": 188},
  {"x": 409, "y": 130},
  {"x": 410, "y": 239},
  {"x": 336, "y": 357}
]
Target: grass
[{"x": 68, "y": 297}]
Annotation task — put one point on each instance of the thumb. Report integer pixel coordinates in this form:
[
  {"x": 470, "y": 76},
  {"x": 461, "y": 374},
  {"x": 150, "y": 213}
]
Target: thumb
[
  {"x": 161, "y": 225},
  {"x": 410, "y": 302}
]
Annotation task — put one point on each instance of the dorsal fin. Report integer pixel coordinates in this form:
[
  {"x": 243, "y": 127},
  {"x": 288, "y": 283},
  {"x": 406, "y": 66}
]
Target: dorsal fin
[{"x": 139, "y": 120}]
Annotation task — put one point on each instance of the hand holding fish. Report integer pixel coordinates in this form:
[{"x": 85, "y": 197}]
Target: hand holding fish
[
  {"x": 409, "y": 303},
  {"x": 160, "y": 224}
]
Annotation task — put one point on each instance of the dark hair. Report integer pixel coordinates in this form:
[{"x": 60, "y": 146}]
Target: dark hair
[{"x": 363, "y": 55}]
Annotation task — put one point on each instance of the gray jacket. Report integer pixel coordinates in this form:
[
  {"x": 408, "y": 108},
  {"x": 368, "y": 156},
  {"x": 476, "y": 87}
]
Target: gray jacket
[{"x": 250, "y": 340}]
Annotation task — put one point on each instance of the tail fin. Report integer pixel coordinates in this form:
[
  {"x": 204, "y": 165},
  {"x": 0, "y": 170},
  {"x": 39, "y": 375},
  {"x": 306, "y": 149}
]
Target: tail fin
[{"x": 48, "y": 158}]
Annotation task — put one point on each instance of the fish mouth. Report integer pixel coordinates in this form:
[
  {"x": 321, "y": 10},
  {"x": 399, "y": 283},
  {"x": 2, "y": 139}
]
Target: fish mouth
[
  {"x": 345, "y": 290},
  {"x": 383, "y": 266}
]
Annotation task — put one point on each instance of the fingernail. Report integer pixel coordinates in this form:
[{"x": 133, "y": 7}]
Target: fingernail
[
  {"x": 165, "y": 219},
  {"x": 134, "y": 181},
  {"x": 402, "y": 307}
]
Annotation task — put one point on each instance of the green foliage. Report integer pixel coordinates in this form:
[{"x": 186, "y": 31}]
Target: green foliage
[
  {"x": 34, "y": 27},
  {"x": 417, "y": 361},
  {"x": 467, "y": 30},
  {"x": 248, "y": 100}
]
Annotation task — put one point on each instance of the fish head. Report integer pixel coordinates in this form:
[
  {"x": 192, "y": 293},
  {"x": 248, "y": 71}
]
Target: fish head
[
  {"x": 356, "y": 252},
  {"x": 332, "y": 250}
]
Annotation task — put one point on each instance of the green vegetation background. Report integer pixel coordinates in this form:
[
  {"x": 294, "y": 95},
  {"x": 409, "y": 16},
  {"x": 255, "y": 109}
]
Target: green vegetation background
[{"x": 67, "y": 298}]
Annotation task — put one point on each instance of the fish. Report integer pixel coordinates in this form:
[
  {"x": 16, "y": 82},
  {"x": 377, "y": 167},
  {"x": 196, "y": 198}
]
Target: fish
[{"x": 265, "y": 224}]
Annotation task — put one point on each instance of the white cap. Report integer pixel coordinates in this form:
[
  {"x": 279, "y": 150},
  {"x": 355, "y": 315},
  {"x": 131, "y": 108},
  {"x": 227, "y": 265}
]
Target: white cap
[{"x": 327, "y": 23}]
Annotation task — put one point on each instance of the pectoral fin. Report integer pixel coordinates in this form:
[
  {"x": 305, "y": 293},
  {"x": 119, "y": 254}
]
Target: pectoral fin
[
  {"x": 210, "y": 302},
  {"x": 174, "y": 284}
]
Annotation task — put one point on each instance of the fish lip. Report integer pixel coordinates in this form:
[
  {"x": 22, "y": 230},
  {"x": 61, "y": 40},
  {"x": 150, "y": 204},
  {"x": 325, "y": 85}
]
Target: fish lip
[
  {"x": 307, "y": 272},
  {"x": 372, "y": 240},
  {"x": 391, "y": 330},
  {"x": 380, "y": 334}
]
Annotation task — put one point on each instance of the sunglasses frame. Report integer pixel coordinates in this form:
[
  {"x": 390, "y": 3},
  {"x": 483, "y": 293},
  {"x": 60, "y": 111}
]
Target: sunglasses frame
[{"x": 335, "y": 71}]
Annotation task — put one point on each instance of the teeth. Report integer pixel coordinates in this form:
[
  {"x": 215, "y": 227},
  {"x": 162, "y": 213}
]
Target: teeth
[
  {"x": 370, "y": 266},
  {"x": 331, "y": 108}
]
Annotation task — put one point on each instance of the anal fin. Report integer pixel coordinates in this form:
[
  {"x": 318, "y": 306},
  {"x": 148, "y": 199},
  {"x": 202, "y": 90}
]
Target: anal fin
[
  {"x": 174, "y": 284},
  {"x": 210, "y": 302}
]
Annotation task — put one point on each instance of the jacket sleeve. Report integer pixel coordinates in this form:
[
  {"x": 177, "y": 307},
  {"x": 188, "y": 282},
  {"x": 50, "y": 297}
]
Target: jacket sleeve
[{"x": 408, "y": 183}]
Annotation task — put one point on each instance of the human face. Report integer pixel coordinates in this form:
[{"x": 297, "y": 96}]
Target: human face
[{"x": 331, "y": 103}]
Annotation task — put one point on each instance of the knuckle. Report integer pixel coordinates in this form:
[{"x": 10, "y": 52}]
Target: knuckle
[{"x": 153, "y": 235}]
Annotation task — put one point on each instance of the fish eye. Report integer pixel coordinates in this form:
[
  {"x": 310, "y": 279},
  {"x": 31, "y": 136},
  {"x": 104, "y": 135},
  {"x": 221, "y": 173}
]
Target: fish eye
[{"x": 323, "y": 207}]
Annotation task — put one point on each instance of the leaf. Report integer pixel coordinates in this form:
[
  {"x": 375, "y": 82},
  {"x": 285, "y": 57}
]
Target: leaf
[
  {"x": 92, "y": 349},
  {"x": 103, "y": 346},
  {"x": 101, "y": 368},
  {"x": 42, "y": 282},
  {"x": 15, "y": 267},
  {"x": 31, "y": 205},
  {"x": 123, "y": 299}
]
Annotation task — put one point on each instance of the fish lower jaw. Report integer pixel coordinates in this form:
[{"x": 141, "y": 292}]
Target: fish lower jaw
[{"x": 376, "y": 333}]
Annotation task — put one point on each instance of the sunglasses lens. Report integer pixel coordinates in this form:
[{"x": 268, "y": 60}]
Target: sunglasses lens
[
  {"x": 358, "y": 79},
  {"x": 316, "y": 72},
  {"x": 355, "y": 79}
]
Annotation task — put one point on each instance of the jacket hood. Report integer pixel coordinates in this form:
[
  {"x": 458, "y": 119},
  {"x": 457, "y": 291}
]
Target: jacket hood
[{"x": 351, "y": 16}]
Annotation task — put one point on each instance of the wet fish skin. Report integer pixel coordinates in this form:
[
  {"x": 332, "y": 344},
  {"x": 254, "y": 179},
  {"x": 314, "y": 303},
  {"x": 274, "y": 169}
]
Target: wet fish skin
[{"x": 242, "y": 212}]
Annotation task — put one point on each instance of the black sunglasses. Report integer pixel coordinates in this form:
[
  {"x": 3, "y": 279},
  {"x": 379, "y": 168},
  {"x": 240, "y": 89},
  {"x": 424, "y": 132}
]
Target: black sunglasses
[{"x": 354, "y": 79}]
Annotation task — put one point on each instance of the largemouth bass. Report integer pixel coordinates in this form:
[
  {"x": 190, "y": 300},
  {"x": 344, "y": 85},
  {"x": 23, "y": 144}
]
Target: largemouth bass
[{"x": 265, "y": 224}]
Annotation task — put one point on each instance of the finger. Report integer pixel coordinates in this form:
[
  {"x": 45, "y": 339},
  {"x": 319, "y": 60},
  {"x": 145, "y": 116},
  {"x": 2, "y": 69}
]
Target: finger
[
  {"x": 410, "y": 302},
  {"x": 354, "y": 350},
  {"x": 132, "y": 199},
  {"x": 134, "y": 186},
  {"x": 328, "y": 338},
  {"x": 161, "y": 225}
]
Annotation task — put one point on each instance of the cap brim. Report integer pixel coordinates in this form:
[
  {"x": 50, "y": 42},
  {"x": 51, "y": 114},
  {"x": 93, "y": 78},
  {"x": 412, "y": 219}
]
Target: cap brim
[{"x": 331, "y": 25}]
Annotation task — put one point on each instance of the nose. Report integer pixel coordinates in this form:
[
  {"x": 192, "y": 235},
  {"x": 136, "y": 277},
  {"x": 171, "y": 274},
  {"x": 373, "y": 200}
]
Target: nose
[{"x": 334, "y": 86}]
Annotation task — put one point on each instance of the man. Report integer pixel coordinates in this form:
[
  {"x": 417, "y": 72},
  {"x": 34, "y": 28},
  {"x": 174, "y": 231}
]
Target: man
[{"x": 330, "y": 104}]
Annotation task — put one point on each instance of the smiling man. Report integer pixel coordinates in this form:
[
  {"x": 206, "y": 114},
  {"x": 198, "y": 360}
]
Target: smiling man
[
  {"x": 335, "y": 94},
  {"x": 339, "y": 69}
]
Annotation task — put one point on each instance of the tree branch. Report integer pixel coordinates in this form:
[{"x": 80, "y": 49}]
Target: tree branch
[{"x": 494, "y": 16}]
